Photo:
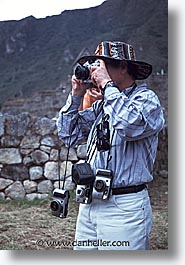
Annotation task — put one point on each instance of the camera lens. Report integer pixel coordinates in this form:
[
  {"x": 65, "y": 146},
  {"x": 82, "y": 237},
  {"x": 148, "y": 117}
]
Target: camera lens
[
  {"x": 100, "y": 185},
  {"x": 55, "y": 206},
  {"x": 81, "y": 192},
  {"x": 82, "y": 72}
]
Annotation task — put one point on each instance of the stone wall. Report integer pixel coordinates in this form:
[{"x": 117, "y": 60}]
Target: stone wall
[
  {"x": 41, "y": 103},
  {"x": 29, "y": 150}
]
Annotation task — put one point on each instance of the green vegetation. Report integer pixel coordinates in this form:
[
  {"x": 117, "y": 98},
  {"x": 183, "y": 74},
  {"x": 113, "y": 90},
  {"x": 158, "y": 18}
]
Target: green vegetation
[{"x": 37, "y": 54}]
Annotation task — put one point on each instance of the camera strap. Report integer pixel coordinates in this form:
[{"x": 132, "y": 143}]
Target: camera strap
[
  {"x": 109, "y": 157},
  {"x": 65, "y": 172},
  {"x": 92, "y": 146},
  {"x": 67, "y": 156},
  {"x": 59, "y": 162}
]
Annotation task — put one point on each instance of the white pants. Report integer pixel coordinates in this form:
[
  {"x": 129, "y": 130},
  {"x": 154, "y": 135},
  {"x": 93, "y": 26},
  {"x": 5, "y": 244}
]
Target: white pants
[{"x": 123, "y": 222}]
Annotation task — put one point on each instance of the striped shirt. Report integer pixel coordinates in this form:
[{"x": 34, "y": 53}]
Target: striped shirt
[{"x": 134, "y": 122}]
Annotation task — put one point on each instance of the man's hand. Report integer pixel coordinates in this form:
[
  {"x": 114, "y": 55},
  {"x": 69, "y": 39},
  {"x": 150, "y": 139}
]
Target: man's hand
[
  {"x": 99, "y": 75},
  {"x": 78, "y": 87},
  {"x": 95, "y": 93}
]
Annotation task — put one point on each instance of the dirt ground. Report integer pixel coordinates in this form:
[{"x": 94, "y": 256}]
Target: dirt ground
[
  {"x": 158, "y": 191},
  {"x": 30, "y": 226}
]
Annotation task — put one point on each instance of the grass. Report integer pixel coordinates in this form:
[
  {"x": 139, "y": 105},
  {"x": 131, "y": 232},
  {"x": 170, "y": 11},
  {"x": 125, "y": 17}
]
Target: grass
[{"x": 26, "y": 225}]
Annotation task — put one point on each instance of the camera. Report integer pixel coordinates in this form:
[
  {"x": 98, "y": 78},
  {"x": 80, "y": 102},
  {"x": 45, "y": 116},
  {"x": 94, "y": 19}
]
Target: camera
[
  {"x": 102, "y": 184},
  {"x": 59, "y": 204},
  {"x": 84, "y": 193},
  {"x": 103, "y": 135},
  {"x": 82, "y": 72},
  {"x": 83, "y": 177}
]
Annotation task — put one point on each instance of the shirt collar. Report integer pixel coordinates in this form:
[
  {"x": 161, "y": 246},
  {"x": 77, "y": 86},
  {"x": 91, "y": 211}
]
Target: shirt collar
[{"x": 128, "y": 91}]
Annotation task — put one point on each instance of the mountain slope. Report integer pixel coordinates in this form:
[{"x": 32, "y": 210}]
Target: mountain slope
[{"x": 38, "y": 54}]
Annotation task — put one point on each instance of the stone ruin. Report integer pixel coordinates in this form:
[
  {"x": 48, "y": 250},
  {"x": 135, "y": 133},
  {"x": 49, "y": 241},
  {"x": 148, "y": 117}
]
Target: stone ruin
[{"x": 29, "y": 155}]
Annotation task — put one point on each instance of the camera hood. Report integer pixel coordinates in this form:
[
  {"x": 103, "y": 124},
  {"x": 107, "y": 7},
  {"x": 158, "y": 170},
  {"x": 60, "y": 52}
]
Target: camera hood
[{"x": 82, "y": 174}]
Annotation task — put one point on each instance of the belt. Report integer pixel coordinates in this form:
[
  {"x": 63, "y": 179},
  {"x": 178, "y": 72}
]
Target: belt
[{"x": 128, "y": 189}]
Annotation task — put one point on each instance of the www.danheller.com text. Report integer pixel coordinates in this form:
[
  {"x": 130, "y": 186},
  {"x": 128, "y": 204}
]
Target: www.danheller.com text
[{"x": 88, "y": 243}]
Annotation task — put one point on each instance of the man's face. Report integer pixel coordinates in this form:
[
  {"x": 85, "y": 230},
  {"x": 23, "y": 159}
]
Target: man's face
[{"x": 114, "y": 72}]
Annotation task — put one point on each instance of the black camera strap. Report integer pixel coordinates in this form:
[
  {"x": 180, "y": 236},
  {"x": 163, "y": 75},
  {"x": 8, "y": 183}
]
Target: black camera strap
[
  {"x": 109, "y": 157},
  {"x": 59, "y": 162},
  {"x": 67, "y": 156},
  {"x": 134, "y": 85},
  {"x": 92, "y": 146}
]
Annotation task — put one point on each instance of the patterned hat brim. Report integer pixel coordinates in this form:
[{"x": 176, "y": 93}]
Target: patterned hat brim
[{"x": 141, "y": 70}]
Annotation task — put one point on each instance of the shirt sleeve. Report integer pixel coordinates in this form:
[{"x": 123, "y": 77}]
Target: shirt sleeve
[
  {"x": 74, "y": 125},
  {"x": 134, "y": 117}
]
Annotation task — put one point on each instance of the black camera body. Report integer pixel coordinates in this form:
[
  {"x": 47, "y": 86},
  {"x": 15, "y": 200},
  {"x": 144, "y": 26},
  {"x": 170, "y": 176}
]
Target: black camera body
[
  {"x": 59, "y": 204},
  {"x": 83, "y": 177},
  {"x": 82, "y": 72},
  {"x": 103, "y": 184}
]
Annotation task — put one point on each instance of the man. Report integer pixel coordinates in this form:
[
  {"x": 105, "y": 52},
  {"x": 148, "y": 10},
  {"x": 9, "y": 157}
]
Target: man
[{"x": 133, "y": 118}]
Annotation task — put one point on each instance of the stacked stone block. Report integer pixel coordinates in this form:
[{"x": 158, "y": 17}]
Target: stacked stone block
[{"x": 29, "y": 155}]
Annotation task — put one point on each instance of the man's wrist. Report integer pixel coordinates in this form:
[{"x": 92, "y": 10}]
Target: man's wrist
[
  {"x": 109, "y": 83},
  {"x": 104, "y": 82}
]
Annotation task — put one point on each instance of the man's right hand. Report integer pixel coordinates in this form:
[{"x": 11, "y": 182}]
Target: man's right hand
[{"x": 78, "y": 87}]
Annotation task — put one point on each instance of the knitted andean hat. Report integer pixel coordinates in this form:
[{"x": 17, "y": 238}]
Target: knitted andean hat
[{"x": 116, "y": 50}]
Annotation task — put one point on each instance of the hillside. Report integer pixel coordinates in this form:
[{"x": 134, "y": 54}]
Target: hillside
[{"x": 38, "y": 54}]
